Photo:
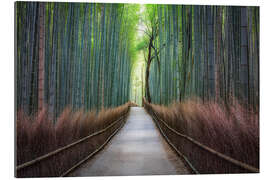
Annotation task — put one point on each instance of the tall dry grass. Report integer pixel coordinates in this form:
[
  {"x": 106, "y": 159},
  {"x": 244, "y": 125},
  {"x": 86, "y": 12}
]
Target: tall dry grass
[
  {"x": 133, "y": 104},
  {"x": 37, "y": 135},
  {"x": 233, "y": 131}
]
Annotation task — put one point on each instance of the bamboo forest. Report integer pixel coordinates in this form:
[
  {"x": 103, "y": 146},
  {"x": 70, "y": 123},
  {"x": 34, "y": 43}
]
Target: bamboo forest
[{"x": 84, "y": 71}]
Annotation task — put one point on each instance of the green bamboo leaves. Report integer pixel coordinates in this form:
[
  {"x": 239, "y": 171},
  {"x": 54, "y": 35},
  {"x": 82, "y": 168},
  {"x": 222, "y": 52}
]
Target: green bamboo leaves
[
  {"x": 87, "y": 55},
  {"x": 210, "y": 52}
]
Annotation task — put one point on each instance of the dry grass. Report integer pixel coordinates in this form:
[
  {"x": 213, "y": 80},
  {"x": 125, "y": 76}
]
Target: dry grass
[
  {"x": 37, "y": 135},
  {"x": 133, "y": 104},
  {"x": 233, "y": 131}
]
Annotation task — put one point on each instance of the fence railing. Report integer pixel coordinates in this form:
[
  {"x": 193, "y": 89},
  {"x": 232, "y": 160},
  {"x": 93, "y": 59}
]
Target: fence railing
[
  {"x": 64, "y": 148},
  {"x": 224, "y": 157}
]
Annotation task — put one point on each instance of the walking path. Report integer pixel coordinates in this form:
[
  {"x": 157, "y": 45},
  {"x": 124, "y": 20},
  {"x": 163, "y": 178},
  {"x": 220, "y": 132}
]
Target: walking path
[{"x": 137, "y": 149}]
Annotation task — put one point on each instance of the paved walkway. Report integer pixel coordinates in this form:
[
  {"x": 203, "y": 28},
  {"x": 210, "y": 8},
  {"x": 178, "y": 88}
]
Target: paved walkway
[{"x": 137, "y": 149}]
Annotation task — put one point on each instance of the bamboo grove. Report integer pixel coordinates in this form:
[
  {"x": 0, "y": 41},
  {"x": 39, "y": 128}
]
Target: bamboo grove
[
  {"x": 210, "y": 52},
  {"x": 73, "y": 54}
]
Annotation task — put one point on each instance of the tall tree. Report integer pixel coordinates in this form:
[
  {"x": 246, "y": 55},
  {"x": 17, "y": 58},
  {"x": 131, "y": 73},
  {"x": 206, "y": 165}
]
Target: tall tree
[
  {"x": 41, "y": 55},
  {"x": 244, "y": 55}
]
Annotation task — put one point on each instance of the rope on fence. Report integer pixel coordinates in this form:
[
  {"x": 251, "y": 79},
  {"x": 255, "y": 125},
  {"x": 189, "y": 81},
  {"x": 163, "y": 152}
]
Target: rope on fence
[
  {"x": 177, "y": 151},
  {"x": 92, "y": 154},
  {"x": 41, "y": 158},
  {"x": 208, "y": 149}
]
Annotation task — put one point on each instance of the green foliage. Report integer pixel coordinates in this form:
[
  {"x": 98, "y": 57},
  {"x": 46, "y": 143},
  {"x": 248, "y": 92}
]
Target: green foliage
[
  {"x": 141, "y": 45},
  {"x": 200, "y": 52},
  {"x": 89, "y": 52},
  {"x": 92, "y": 50}
]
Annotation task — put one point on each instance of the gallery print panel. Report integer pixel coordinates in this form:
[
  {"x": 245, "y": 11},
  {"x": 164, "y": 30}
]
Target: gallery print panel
[{"x": 111, "y": 89}]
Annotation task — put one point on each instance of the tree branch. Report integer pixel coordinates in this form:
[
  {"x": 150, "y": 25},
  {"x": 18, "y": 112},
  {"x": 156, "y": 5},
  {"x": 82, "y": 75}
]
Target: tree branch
[{"x": 144, "y": 32}]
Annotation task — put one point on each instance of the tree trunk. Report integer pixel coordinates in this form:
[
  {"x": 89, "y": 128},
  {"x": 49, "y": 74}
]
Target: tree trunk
[
  {"x": 148, "y": 69},
  {"x": 41, "y": 54},
  {"x": 244, "y": 55},
  {"x": 210, "y": 52}
]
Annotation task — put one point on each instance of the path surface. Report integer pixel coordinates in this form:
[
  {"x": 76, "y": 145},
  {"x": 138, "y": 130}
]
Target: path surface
[{"x": 137, "y": 149}]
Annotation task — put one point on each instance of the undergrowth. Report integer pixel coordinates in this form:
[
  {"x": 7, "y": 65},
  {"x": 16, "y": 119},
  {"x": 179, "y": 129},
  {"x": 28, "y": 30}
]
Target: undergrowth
[
  {"x": 38, "y": 135},
  {"x": 232, "y": 130}
]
